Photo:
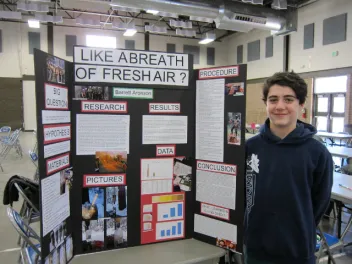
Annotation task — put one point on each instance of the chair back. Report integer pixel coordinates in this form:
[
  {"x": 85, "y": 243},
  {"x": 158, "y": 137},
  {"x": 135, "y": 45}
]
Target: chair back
[
  {"x": 24, "y": 196},
  {"x": 5, "y": 129},
  {"x": 24, "y": 230}
]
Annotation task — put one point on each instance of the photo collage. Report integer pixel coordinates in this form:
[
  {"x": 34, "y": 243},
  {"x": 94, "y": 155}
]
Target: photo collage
[
  {"x": 104, "y": 207},
  {"x": 99, "y": 93},
  {"x": 234, "y": 128},
  {"x": 61, "y": 246},
  {"x": 55, "y": 69}
]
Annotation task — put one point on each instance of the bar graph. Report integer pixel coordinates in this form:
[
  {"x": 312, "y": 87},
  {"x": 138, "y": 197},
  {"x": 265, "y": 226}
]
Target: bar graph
[
  {"x": 170, "y": 211},
  {"x": 167, "y": 230}
]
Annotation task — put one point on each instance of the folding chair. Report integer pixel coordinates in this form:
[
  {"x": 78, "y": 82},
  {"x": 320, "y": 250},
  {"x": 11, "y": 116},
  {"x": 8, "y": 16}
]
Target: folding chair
[
  {"x": 5, "y": 131},
  {"x": 8, "y": 144},
  {"x": 30, "y": 252},
  {"x": 329, "y": 243},
  {"x": 34, "y": 159},
  {"x": 29, "y": 212}
]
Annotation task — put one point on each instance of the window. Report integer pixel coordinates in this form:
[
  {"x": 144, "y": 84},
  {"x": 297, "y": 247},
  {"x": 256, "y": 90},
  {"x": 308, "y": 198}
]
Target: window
[
  {"x": 269, "y": 47},
  {"x": 210, "y": 56},
  {"x": 33, "y": 41},
  {"x": 331, "y": 85},
  {"x": 193, "y": 50},
  {"x": 130, "y": 44},
  {"x": 170, "y": 47},
  {"x": 330, "y": 101},
  {"x": 253, "y": 49},
  {"x": 100, "y": 41},
  {"x": 308, "y": 37},
  {"x": 240, "y": 54},
  {"x": 70, "y": 42}
]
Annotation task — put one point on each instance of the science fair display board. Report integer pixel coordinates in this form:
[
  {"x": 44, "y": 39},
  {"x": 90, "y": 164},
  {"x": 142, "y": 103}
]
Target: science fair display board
[
  {"x": 119, "y": 143},
  {"x": 220, "y": 152},
  {"x": 133, "y": 115},
  {"x": 54, "y": 84}
]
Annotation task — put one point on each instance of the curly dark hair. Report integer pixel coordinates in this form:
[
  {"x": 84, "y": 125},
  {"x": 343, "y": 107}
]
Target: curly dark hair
[{"x": 290, "y": 79}]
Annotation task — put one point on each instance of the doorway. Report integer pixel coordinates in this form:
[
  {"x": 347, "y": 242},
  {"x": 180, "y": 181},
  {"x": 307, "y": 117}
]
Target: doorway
[{"x": 329, "y": 103}]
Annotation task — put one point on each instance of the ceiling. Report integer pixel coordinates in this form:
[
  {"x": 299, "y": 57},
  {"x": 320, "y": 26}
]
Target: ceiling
[{"x": 70, "y": 10}]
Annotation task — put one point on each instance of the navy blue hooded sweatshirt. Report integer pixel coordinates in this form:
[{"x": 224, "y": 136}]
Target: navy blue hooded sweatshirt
[{"x": 288, "y": 188}]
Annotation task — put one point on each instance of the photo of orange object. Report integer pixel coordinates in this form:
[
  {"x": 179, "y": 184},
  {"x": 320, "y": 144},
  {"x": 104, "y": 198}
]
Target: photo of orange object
[
  {"x": 223, "y": 243},
  {"x": 111, "y": 161},
  {"x": 234, "y": 89}
]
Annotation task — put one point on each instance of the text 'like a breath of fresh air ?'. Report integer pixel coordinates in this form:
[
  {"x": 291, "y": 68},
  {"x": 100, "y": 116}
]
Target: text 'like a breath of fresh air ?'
[{"x": 127, "y": 66}]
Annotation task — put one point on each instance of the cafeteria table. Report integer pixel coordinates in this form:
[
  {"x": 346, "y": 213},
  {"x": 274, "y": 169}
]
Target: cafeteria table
[
  {"x": 342, "y": 196},
  {"x": 186, "y": 251}
]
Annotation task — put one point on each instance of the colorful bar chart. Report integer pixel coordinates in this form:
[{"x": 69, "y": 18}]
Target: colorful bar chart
[
  {"x": 170, "y": 211},
  {"x": 167, "y": 230}
]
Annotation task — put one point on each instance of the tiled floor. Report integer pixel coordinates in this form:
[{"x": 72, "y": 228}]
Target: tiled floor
[{"x": 24, "y": 167}]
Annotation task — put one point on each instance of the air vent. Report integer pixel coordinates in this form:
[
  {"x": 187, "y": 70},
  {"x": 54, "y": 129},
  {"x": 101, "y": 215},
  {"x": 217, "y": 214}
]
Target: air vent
[{"x": 251, "y": 19}]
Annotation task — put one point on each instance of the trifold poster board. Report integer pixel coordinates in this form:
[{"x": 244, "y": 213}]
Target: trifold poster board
[
  {"x": 220, "y": 153},
  {"x": 136, "y": 147}
]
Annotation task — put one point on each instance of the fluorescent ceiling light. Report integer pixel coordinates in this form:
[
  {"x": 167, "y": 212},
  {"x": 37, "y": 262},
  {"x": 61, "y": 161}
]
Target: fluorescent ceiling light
[
  {"x": 205, "y": 41},
  {"x": 153, "y": 12},
  {"x": 33, "y": 23},
  {"x": 130, "y": 32},
  {"x": 273, "y": 25},
  {"x": 88, "y": 21},
  {"x": 101, "y": 41},
  {"x": 209, "y": 37}
]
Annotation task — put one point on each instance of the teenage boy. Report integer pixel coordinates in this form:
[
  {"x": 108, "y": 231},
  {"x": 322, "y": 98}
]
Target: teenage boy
[{"x": 288, "y": 179}]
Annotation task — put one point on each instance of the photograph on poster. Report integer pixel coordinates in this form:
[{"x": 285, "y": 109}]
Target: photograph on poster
[
  {"x": 116, "y": 232},
  {"x": 156, "y": 169},
  {"x": 93, "y": 235},
  {"x": 66, "y": 180},
  {"x": 57, "y": 236},
  {"x": 234, "y": 128},
  {"x": 91, "y": 93},
  {"x": 234, "y": 89},
  {"x": 182, "y": 180},
  {"x": 116, "y": 201},
  {"x": 55, "y": 68},
  {"x": 226, "y": 244},
  {"x": 69, "y": 248},
  {"x": 111, "y": 161},
  {"x": 93, "y": 203}
]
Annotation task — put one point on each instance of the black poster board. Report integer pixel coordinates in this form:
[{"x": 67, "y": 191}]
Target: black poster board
[
  {"x": 164, "y": 92},
  {"x": 226, "y": 168},
  {"x": 53, "y": 93},
  {"x": 114, "y": 201}
]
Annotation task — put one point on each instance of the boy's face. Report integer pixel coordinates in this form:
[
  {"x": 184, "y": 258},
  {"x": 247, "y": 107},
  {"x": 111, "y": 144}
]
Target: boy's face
[{"x": 282, "y": 106}]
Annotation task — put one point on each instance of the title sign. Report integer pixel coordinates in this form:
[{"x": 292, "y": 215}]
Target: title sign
[
  {"x": 165, "y": 150},
  {"x": 164, "y": 108},
  {"x": 57, "y": 163},
  {"x": 127, "y": 66},
  {"x": 104, "y": 107},
  {"x": 221, "y": 72},
  {"x": 217, "y": 167},
  {"x": 56, "y": 133},
  {"x": 56, "y": 97},
  {"x": 96, "y": 180}
]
